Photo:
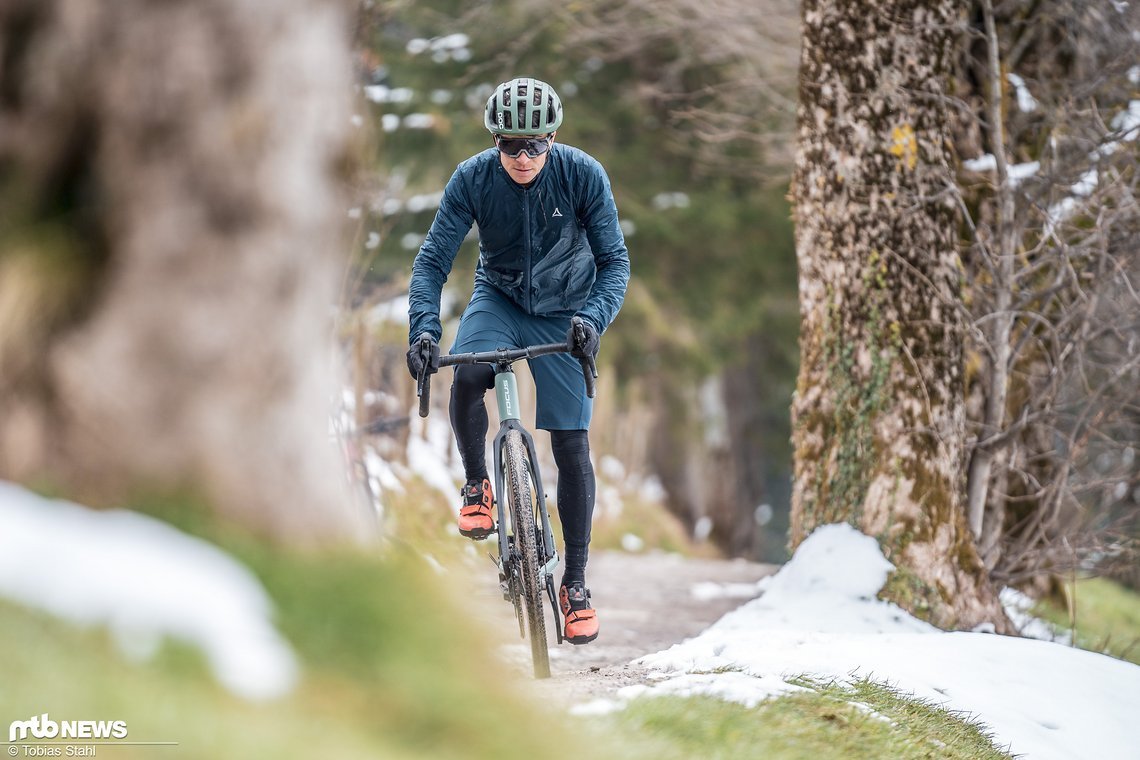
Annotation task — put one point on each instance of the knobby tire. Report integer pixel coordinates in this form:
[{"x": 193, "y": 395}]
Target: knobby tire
[{"x": 523, "y": 518}]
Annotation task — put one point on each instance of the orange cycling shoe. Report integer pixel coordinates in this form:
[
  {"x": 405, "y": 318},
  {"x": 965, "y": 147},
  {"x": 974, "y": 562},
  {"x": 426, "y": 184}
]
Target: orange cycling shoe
[
  {"x": 581, "y": 617},
  {"x": 476, "y": 516}
]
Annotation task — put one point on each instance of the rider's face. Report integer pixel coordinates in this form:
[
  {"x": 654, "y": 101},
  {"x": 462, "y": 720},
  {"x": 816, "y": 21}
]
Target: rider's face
[{"x": 522, "y": 168}]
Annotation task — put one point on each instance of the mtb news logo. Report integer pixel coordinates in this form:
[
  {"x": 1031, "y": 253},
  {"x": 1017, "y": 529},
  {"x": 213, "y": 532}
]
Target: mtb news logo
[{"x": 43, "y": 727}]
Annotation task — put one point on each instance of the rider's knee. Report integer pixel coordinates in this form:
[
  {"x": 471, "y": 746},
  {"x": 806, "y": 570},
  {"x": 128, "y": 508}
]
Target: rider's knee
[
  {"x": 472, "y": 379},
  {"x": 571, "y": 449}
]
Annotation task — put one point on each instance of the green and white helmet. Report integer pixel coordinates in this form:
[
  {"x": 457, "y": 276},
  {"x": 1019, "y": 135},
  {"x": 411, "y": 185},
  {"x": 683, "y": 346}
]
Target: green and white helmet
[{"x": 523, "y": 106}]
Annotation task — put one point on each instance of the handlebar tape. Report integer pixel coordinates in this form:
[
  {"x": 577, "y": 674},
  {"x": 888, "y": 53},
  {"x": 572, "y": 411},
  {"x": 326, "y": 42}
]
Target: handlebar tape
[
  {"x": 423, "y": 390},
  {"x": 589, "y": 373}
]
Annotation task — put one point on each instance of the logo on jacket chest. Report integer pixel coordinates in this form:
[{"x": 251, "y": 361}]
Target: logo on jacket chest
[{"x": 556, "y": 212}]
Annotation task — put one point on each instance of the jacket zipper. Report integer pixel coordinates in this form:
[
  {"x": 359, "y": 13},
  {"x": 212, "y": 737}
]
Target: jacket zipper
[{"x": 526, "y": 235}]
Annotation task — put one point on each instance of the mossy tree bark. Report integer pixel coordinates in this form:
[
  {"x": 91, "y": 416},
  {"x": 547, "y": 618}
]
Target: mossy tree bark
[{"x": 879, "y": 415}]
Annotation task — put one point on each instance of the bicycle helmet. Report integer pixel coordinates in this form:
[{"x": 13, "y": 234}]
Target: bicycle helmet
[{"x": 523, "y": 106}]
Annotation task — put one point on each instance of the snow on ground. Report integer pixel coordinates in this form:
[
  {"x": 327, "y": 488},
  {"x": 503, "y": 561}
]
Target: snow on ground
[
  {"x": 1018, "y": 607},
  {"x": 820, "y": 617},
  {"x": 144, "y": 580},
  {"x": 432, "y": 452},
  {"x": 706, "y": 590}
]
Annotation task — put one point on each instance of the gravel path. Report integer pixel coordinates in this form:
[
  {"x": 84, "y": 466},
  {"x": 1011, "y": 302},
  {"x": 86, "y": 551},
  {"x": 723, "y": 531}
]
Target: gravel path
[{"x": 645, "y": 602}]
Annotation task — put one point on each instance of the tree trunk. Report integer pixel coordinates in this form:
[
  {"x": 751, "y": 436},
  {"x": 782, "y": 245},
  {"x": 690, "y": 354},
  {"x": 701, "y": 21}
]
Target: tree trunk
[
  {"x": 170, "y": 252},
  {"x": 879, "y": 414}
]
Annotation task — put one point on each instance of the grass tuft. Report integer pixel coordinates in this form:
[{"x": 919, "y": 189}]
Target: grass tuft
[
  {"x": 1107, "y": 617},
  {"x": 865, "y": 720},
  {"x": 387, "y": 667}
]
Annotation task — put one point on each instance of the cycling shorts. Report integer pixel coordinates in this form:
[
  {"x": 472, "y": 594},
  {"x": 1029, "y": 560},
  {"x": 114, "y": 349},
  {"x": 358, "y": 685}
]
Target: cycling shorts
[{"x": 492, "y": 321}]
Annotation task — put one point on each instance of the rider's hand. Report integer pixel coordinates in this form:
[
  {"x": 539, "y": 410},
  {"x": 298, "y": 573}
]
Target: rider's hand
[
  {"x": 583, "y": 340},
  {"x": 423, "y": 350}
]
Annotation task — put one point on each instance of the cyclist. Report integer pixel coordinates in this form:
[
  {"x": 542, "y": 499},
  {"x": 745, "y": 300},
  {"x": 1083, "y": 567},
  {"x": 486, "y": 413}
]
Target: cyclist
[{"x": 550, "y": 248}]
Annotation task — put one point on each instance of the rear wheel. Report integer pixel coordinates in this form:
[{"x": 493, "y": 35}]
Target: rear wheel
[{"x": 520, "y": 496}]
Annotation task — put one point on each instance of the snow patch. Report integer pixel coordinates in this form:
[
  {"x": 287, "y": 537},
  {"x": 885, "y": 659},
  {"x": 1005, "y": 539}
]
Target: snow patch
[
  {"x": 651, "y": 489},
  {"x": 144, "y": 580},
  {"x": 1017, "y": 606},
  {"x": 983, "y": 163},
  {"x": 379, "y": 93},
  {"x": 1018, "y": 173},
  {"x": 597, "y": 707},
  {"x": 820, "y": 617},
  {"x": 708, "y": 590},
  {"x": 1026, "y": 103},
  {"x": 429, "y": 446},
  {"x": 1015, "y": 174},
  {"x": 632, "y": 543},
  {"x": 611, "y": 469}
]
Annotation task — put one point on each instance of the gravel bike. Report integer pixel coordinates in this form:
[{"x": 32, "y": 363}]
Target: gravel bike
[{"x": 527, "y": 555}]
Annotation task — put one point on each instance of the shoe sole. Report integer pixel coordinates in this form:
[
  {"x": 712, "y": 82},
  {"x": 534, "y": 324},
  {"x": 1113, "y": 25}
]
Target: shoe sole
[
  {"x": 579, "y": 640},
  {"x": 478, "y": 534}
]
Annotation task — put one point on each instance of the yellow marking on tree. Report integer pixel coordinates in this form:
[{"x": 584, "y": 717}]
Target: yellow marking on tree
[{"x": 904, "y": 145}]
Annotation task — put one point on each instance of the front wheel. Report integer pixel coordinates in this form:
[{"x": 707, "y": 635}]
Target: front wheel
[{"x": 523, "y": 508}]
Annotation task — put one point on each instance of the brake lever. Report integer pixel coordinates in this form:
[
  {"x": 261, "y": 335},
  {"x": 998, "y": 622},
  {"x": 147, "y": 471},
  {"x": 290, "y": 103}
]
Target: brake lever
[
  {"x": 589, "y": 367},
  {"x": 579, "y": 332},
  {"x": 423, "y": 385}
]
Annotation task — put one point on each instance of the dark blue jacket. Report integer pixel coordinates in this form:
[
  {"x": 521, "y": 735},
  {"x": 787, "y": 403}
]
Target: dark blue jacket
[{"x": 553, "y": 247}]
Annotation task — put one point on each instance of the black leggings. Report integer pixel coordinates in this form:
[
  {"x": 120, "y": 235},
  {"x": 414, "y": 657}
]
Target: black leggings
[{"x": 571, "y": 448}]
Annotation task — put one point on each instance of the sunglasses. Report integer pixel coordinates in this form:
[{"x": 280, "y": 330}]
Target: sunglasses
[{"x": 513, "y": 147}]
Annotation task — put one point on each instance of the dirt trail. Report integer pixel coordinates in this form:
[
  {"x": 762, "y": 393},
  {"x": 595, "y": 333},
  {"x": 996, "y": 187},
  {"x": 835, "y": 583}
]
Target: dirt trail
[{"x": 645, "y": 603}]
